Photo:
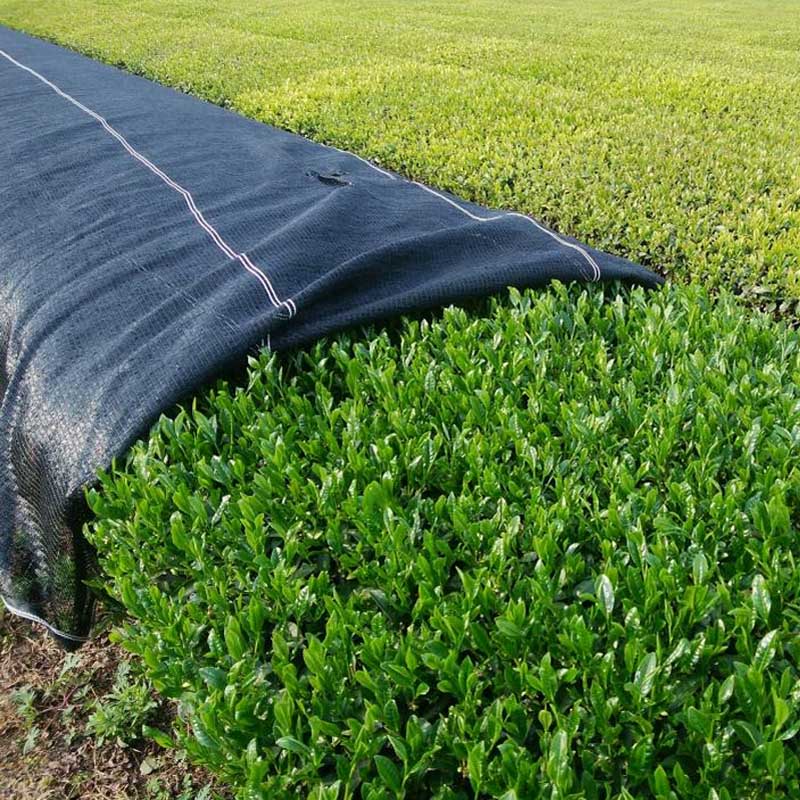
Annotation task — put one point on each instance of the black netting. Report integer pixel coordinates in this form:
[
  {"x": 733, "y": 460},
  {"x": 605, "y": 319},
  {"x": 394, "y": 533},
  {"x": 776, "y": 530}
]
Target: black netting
[{"x": 150, "y": 240}]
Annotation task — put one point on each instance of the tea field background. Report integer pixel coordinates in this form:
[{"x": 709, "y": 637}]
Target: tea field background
[
  {"x": 543, "y": 548},
  {"x": 666, "y": 132}
]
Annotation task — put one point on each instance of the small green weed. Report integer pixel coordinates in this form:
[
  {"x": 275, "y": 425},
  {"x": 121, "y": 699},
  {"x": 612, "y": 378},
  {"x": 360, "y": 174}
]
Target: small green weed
[
  {"x": 155, "y": 789},
  {"x": 123, "y": 712},
  {"x": 24, "y": 700}
]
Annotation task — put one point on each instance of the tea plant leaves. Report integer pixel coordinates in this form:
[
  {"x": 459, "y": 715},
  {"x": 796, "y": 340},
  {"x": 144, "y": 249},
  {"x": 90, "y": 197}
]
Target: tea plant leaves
[
  {"x": 549, "y": 552},
  {"x": 645, "y": 674},
  {"x": 520, "y": 554},
  {"x": 605, "y": 591}
]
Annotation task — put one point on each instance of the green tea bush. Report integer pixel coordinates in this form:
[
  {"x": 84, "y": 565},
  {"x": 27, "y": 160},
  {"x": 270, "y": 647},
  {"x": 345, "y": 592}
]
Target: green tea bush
[{"x": 548, "y": 552}]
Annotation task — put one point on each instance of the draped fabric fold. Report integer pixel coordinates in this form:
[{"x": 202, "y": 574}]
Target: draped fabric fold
[{"x": 149, "y": 241}]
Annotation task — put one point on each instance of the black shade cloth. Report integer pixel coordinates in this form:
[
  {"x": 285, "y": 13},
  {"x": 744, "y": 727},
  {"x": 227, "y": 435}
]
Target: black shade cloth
[{"x": 149, "y": 241}]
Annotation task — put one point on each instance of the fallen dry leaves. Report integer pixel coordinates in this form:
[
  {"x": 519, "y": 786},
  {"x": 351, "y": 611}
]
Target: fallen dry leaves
[{"x": 64, "y": 761}]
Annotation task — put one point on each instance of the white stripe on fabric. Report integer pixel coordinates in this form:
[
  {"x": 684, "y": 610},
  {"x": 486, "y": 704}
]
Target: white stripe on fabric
[
  {"x": 242, "y": 258},
  {"x": 18, "y": 612},
  {"x": 595, "y": 276},
  {"x": 368, "y": 163},
  {"x": 592, "y": 263}
]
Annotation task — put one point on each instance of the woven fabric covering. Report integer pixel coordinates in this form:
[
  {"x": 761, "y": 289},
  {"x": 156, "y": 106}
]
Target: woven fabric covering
[{"x": 150, "y": 241}]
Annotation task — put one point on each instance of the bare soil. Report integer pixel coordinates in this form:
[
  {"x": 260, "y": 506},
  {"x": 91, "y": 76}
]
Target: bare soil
[{"x": 46, "y": 751}]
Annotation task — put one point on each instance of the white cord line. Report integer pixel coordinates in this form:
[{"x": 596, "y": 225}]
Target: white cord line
[
  {"x": 595, "y": 276},
  {"x": 592, "y": 263},
  {"x": 242, "y": 258},
  {"x": 368, "y": 163},
  {"x": 18, "y": 612}
]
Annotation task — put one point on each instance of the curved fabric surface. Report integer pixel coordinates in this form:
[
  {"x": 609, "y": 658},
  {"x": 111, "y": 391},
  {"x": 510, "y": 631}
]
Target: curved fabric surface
[{"x": 150, "y": 240}]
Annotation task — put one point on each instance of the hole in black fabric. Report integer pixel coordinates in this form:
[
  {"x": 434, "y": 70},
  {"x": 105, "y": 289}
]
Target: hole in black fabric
[{"x": 330, "y": 178}]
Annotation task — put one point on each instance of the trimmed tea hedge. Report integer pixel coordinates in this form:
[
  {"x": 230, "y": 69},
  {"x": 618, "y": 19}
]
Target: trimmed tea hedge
[
  {"x": 662, "y": 131},
  {"x": 549, "y": 552}
]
